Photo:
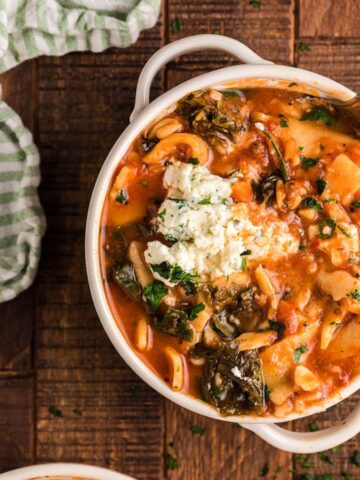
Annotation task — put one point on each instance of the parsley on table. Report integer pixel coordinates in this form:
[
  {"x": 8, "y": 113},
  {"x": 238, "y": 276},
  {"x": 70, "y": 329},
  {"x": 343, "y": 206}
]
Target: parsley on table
[
  {"x": 319, "y": 113},
  {"x": 176, "y": 25},
  {"x": 197, "y": 430},
  {"x": 256, "y": 4},
  {"x": 264, "y": 470},
  {"x": 195, "y": 310},
  {"x": 355, "y": 458},
  {"x": 154, "y": 293},
  {"x": 308, "y": 162},
  {"x": 299, "y": 351},
  {"x": 193, "y": 161},
  {"x": 310, "y": 202},
  {"x": 171, "y": 462},
  {"x": 304, "y": 47},
  {"x": 304, "y": 461},
  {"x": 354, "y": 205},
  {"x": 321, "y": 185},
  {"x": 55, "y": 411},
  {"x": 324, "y": 457},
  {"x": 122, "y": 197},
  {"x": 346, "y": 476}
]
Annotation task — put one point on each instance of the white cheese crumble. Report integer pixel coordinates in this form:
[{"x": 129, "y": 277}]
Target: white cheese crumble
[{"x": 210, "y": 231}]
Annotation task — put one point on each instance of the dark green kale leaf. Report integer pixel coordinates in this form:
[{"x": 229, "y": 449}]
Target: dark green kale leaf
[
  {"x": 124, "y": 276},
  {"x": 232, "y": 381},
  {"x": 175, "y": 322},
  {"x": 319, "y": 113},
  {"x": 175, "y": 274}
]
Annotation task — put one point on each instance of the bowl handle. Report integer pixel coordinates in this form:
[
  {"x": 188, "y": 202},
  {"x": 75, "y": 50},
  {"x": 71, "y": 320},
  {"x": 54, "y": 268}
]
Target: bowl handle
[
  {"x": 308, "y": 442},
  {"x": 180, "y": 47}
]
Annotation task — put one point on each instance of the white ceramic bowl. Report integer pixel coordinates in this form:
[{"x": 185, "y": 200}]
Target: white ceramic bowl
[
  {"x": 63, "y": 470},
  {"x": 254, "y": 68}
]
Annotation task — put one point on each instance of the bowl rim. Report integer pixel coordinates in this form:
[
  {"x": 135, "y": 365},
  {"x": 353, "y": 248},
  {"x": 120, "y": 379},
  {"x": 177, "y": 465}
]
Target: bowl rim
[
  {"x": 273, "y": 75},
  {"x": 64, "y": 469}
]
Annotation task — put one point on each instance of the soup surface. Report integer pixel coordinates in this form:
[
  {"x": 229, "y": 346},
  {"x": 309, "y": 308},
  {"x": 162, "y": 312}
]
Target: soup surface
[{"x": 230, "y": 249}]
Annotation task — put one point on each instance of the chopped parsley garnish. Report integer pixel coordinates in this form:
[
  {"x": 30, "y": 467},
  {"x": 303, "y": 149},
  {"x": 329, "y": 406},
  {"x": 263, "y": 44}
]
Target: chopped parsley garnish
[
  {"x": 299, "y": 351},
  {"x": 354, "y": 205},
  {"x": 176, "y": 25},
  {"x": 264, "y": 470},
  {"x": 175, "y": 274},
  {"x": 335, "y": 323},
  {"x": 320, "y": 114},
  {"x": 197, "y": 430},
  {"x": 55, "y": 411},
  {"x": 193, "y": 161},
  {"x": 283, "y": 123},
  {"x": 304, "y": 47},
  {"x": 171, "y": 462},
  {"x": 256, "y": 4},
  {"x": 308, "y": 162},
  {"x": 245, "y": 252},
  {"x": 230, "y": 93},
  {"x": 326, "y": 229},
  {"x": 144, "y": 183},
  {"x": 279, "y": 328},
  {"x": 162, "y": 214},
  {"x": 304, "y": 461},
  {"x": 310, "y": 202},
  {"x": 321, "y": 185},
  {"x": 355, "y": 458},
  {"x": 134, "y": 389},
  {"x": 154, "y": 293},
  {"x": 313, "y": 426},
  {"x": 355, "y": 294},
  {"x": 243, "y": 264},
  {"x": 122, "y": 197},
  {"x": 205, "y": 201},
  {"x": 77, "y": 411},
  {"x": 342, "y": 230},
  {"x": 195, "y": 310}
]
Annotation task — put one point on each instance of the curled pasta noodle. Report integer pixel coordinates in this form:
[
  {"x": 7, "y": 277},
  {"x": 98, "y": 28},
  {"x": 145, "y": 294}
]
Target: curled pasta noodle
[
  {"x": 143, "y": 335},
  {"x": 169, "y": 145},
  {"x": 164, "y": 128},
  {"x": 176, "y": 368},
  {"x": 254, "y": 340},
  {"x": 333, "y": 319}
]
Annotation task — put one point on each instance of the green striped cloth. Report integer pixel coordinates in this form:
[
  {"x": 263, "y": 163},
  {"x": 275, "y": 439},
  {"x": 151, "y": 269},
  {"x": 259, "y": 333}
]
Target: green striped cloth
[{"x": 29, "y": 28}]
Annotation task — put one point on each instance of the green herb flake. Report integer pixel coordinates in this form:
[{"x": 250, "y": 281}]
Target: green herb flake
[
  {"x": 205, "y": 201},
  {"x": 229, "y": 93},
  {"x": 55, "y": 411},
  {"x": 308, "y": 162},
  {"x": 176, "y": 25},
  {"x": 154, "y": 293},
  {"x": 144, "y": 183},
  {"x": 256, "y": 4},
  {"x": 355, "y": 458},
  {"x": 171, "y": 462},
  {"x": 313, "y": 426},
  {"x": 320, "y": 114},
  {"x": 162, "y": 214},
  {"x": 320, "y": 185},
  {"x": 122, "y": 197},
  {"x": 304, "y": 461},
  {"x": 193, "y": 161},
  {"x": 197, "y": 430},
  {"x": 77, "y": 411},
  {"x": 304, "y": 47},
  {"x": 336, "y": 449},
  {"x": 355, "y": 294},
  {"x": 243, "y": 264},
  {"x": 324, "y": 457},
  {"x": 195, "y": 310},
  {"x": 354, "y": 205},
  {"x": 245, "y": 252},
  {"x": 299, "y": 351},
  {"x": 264, "y": 470},
  {"x": 283, "y": 123},
  {"x": 326, "y": 229},
  {"x": 342, "y": 230},
  {"x": 310, "y": 202}
]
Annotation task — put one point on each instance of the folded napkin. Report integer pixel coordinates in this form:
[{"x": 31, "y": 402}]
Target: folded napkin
[{"x": 29, "y": 28}]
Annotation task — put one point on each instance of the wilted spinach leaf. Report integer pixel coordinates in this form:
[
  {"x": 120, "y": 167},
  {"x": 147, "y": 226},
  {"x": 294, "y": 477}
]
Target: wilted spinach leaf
[
  {"x": 175, "y": 322},
  {"x": 125, "y": 277}
]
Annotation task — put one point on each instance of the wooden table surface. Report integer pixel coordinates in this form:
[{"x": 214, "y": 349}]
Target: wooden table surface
[{"x": 54, "y": 353}]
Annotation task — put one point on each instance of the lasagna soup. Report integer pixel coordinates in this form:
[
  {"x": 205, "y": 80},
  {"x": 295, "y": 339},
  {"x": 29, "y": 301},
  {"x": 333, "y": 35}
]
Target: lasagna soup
[{"x": 230, "y": 249}]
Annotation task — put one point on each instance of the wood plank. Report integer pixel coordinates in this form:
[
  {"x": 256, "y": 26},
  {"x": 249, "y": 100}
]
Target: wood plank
[
  {"x": 321, "y": 18},
  {"x": 84, "y": 103},
  {"x": 16, "y": 423}
]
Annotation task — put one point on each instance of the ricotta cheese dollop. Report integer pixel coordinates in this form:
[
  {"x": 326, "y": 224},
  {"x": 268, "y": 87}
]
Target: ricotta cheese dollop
[{"x": 210, "y": 232}]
